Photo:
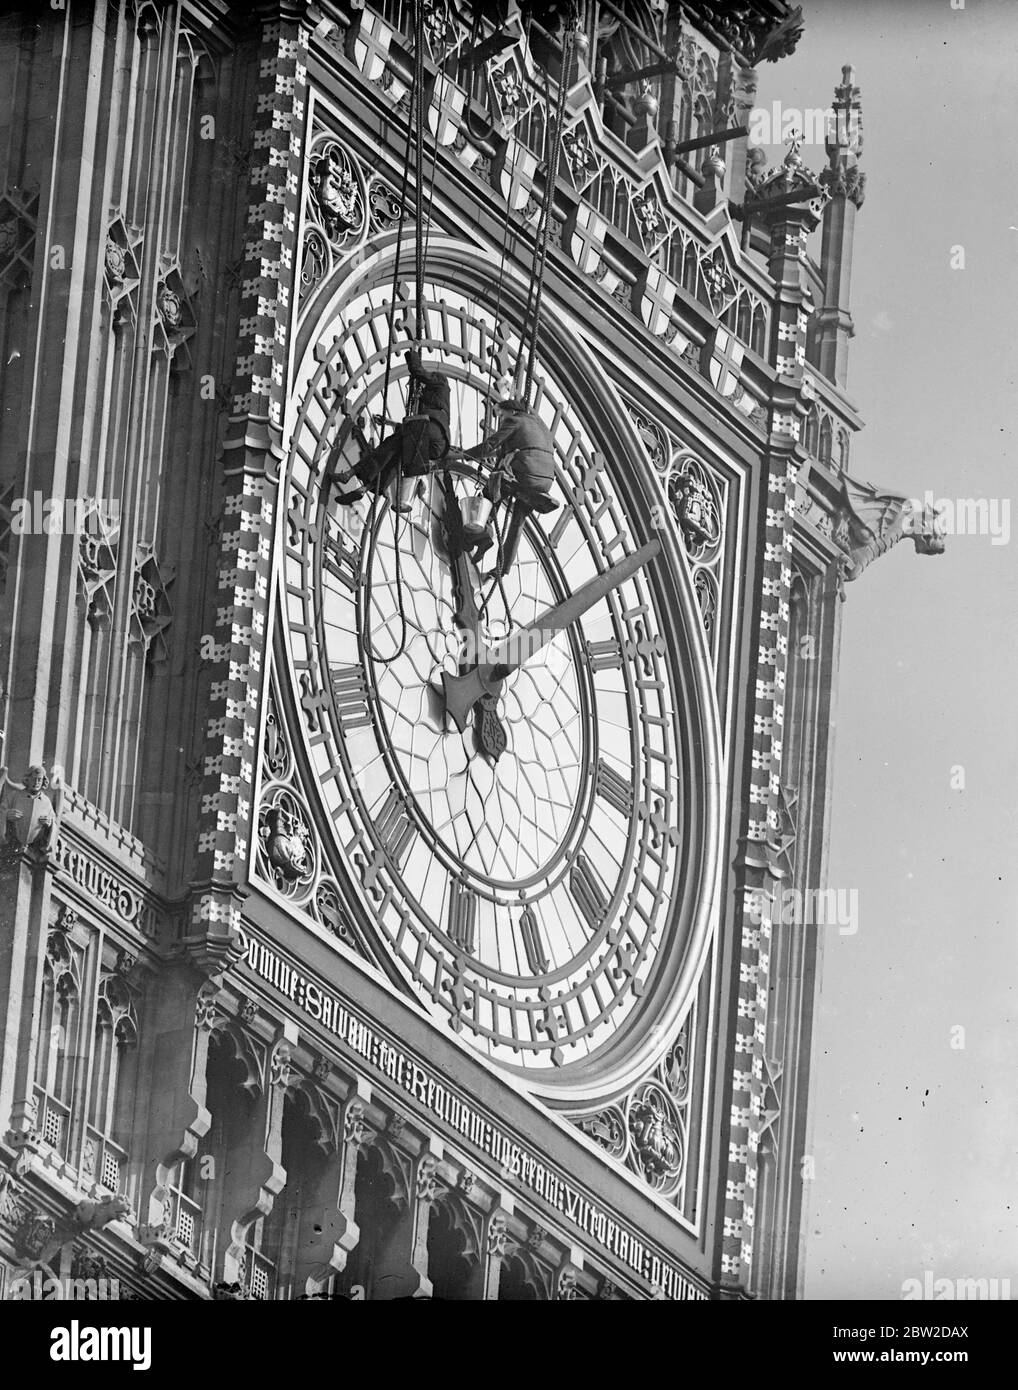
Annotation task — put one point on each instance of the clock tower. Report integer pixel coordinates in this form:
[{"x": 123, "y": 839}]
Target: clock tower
[{"x": 383, "y": 916}]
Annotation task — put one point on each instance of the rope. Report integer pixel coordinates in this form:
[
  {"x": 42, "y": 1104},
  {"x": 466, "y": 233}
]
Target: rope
[
  {"x": 544, "y": 224},
  {"x": 415, "y": 139}
]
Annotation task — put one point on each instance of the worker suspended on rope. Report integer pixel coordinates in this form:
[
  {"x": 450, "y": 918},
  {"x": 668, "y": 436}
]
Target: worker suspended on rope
[
  {"x": 417, "y": 445},
  {"x": 522, "y": 474}
]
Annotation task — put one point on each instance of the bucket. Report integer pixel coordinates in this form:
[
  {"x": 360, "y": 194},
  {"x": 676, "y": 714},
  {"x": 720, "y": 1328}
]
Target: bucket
[
  {"x": 476, "y": 515},
  {"x": 403, "y": 499}
]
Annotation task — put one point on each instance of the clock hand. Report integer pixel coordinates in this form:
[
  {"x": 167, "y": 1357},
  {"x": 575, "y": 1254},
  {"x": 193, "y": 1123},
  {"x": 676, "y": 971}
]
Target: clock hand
[
  {"x": 490, "y": 730},
  {"x": 462, "y": 692}
]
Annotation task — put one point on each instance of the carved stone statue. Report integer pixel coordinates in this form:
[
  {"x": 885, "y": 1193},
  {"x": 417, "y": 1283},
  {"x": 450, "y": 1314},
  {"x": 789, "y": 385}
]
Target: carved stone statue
[
  {"x": 872, "y": 520},
  {"x": 29, "y": 816}
]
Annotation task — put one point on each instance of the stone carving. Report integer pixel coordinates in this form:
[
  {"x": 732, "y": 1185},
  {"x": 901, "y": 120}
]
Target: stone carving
[
  {"x": 33, "y": 1236},
  {"x": 85, "y": 1265},
  {"x": 97, "y": 562},
  {"x": 287, "y": 842},
  {"x": 229, "y": 1293},
  {"x": 749, "y": 29},
  {"x": 275, "y": 746},
  {"x": 848, "y": 182},
  {"x": 649, "y": 217},
  {"x": 206, "y": 1009},
  {"x": 329, "y": 909},
  {"x": 498, "y": 1235},
  {"x": 176, "y": 322},
  {"x": 695, "y": 504},
  {"x": 355, "y": 1126},
  {"x": 29, "y": 815},
  {"x": 116, "y": 261},
  {"x": 656, "y": 1136},
  {"x": 427, "y": 1181},
  {"x": 151, "y": 613},
  {"x": 383, "y": 206},
  {"x": 872, "y": 520},
  {"x": 536, "y": 1237},
  {"x": 580, "y": 156},
  {"x": 170, "y": 306},
  {"x": 286, "y": 848},
  {"x": 336, "y": 194},
  {"x": 780, "y": 41},
  {"x": 608, "y": 1128},
  {"x": 39, "y": 1239},
  {"x": 281, "y": 1071},
  {"x": 705, "y": 588}
]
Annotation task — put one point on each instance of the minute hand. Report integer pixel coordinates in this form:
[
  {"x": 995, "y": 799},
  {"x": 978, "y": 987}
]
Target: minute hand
[{"x": 463, "y": 691}]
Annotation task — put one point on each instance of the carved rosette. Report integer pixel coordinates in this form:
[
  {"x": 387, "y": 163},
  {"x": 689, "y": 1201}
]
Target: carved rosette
[
  {"x": 287, "y": 851},
  {"x": 174, "y": 320},
  {"x": 121, "y": 272}
]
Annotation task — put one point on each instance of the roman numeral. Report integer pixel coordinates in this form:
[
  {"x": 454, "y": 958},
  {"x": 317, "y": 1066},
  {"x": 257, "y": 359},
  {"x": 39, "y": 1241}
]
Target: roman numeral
[
  {"x": 394, "y": 828},
  {"x": 342, "y": 560},
  {"x": 533, "y": 946},
  {"x": 563, "y": 519},
  {"x": 462, "y": 916},
  {"x": 605, "y": 656},
  {"x": 350, "y": 694},
  {"x": 614, "y": 788},
  {"x": 588, "y": 893}
]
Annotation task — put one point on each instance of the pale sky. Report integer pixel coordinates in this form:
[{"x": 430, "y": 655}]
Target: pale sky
[{"x": 915, "y": 1140}]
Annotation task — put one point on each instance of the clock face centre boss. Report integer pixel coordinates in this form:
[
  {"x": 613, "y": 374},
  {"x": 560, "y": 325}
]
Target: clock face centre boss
[{"x": 543, "y": 890}]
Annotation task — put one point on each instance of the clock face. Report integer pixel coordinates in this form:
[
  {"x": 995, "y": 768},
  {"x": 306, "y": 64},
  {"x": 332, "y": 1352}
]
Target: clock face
[{"x": 530, "y": 900}]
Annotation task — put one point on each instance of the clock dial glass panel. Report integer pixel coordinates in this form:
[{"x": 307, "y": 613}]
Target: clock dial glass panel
[{"x": 526, "y": 899}]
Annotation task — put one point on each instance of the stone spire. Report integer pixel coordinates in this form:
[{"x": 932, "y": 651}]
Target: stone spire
[{"x": 846, "y": 187}]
